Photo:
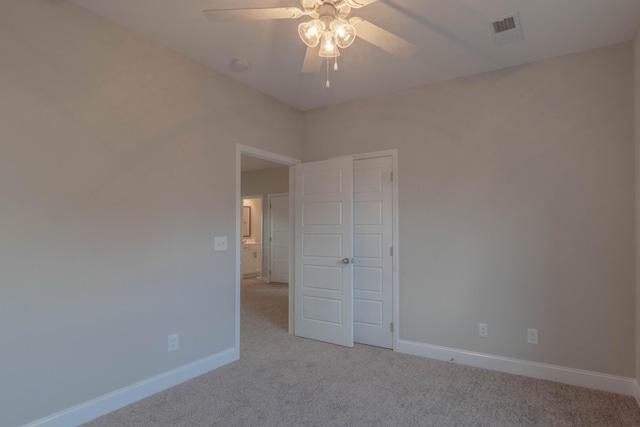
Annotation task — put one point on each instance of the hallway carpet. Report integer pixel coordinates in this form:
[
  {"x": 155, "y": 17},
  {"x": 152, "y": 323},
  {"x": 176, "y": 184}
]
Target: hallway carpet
[{"x": 281, "y": 380}]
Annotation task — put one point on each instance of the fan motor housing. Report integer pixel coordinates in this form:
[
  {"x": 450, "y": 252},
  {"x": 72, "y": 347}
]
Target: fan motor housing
[{"x": 331, "y": 9}]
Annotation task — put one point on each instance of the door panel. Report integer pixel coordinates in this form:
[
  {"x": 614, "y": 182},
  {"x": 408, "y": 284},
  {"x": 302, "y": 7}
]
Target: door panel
[
  {"x": 368, "y": 245},
  {"x": 373, "y": 280},
  {"x": 323, "y": 309},
  {"x": 322, "y": 213},
  {"x": 367, "y": 279},
  {"x": 368, "y": 311},
  {"x": 279, "y": 230},
  {"x": 322, "y": 277},
  {"x": 368, "y": 213},
  {"x": 324, "y": 230}
]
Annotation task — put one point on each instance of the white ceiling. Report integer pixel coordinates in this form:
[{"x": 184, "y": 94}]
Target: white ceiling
[{"x": 453, "y": 37}]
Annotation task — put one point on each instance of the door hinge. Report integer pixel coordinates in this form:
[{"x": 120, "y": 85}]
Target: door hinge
[
  {"x": 269, "y": 272},
  {"x": 391, "y": 251},
  {"x": 269, "y": 239},
  {"x": 391, "y": 176},
  {"x": 269, "y": 205},
  {"x": 391, "y": 326}
]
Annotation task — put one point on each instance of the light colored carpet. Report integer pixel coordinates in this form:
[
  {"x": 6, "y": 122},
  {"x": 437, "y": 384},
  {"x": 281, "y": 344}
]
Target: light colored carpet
[{"x": 281, "y": 380}]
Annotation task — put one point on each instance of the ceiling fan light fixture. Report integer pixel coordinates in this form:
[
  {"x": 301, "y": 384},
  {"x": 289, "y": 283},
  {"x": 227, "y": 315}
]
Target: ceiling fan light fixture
[
  {"x": 345, "y": 33},
  {"x": 311, "y": 32},
  {"x": 328, "y": 46},
  {"x": 328, "y": 30}
]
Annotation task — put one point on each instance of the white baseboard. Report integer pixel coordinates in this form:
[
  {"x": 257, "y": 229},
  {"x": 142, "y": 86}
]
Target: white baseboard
[
  {"x": 578, "y": 377},
  {"x": 109, "y": 402}
]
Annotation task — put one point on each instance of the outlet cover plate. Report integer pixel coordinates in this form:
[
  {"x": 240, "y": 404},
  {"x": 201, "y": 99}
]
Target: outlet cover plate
[
  {"x": 483, "y": 330},
  {"x": 532, "y": 336},
  {"x": 173, "y": 342}
]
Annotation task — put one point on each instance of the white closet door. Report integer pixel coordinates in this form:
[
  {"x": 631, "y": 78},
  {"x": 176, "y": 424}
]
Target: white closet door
[
  {"x": 373, "y": 279},
  {"x": 324, "y": 247},
  {"x": 279, "y": 239}
]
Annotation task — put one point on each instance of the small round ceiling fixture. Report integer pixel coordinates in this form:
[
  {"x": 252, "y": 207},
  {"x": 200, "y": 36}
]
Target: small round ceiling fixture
[{"x": 240, "y": 65}]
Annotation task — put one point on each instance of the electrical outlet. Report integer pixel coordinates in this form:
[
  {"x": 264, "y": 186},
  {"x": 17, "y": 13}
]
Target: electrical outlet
[
  {"x": 532, "y": 336},
  {"x": 483, "y": 330},
  {"x": 174, "y": 342}
]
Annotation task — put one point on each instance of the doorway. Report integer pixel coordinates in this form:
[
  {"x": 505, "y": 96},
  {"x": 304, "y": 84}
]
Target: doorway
[
  {"x": 251, "y": 263},
  {"x": 258, "y": 174},
  {"x": 361, "y": 318}
]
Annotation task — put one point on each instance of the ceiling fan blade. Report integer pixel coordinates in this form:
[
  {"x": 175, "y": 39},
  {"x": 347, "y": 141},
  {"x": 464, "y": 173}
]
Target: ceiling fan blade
[
  {"x": 383, "y": 38},
  {"x": 312, "y": 61},
  {"x": 356, "y": 4},
  {"x": 227, "y": 15}
]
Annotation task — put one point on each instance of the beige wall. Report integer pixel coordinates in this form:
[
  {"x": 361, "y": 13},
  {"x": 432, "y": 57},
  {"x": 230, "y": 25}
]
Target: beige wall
[
  {"x": 117, "y": 161},
  {"x": 516, "y": 192},
  {"x": 265, "y": 181},
  {"x": 117, "y": 170},
  {"x": 636, "y": 85}
]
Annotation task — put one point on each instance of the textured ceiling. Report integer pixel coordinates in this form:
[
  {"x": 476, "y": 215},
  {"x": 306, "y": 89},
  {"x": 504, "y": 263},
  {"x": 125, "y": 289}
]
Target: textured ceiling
[{"x": 454, "y": 39}]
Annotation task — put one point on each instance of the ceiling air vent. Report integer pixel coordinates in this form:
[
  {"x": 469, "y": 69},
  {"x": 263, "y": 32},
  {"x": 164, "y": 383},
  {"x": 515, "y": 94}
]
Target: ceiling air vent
[
  {"x": 505, "y": 25},
  {"x": 507, "y": 30}
]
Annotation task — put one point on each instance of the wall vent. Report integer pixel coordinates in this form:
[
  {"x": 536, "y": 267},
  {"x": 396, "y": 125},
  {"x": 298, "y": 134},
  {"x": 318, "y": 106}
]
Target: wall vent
[{"x": 506, "y": 30}]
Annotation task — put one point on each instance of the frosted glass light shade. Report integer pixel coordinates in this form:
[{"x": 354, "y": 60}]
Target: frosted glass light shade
[
  {"x": 345, "y": 33},
  {"x": 328, "y": 47},
  {"x": 311, "y": 32}
]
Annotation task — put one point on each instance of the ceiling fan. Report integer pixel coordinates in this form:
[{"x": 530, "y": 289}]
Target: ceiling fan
[{"x": 330, "y": 30}]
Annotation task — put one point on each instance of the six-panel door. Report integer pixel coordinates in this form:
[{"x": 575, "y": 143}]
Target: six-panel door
[{"x": 324, "y": 248}]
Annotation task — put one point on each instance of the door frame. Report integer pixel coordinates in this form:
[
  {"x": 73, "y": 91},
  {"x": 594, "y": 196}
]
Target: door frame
[
  {"x": 290, "y": 161},
  {"x": 275, "y": 158}
]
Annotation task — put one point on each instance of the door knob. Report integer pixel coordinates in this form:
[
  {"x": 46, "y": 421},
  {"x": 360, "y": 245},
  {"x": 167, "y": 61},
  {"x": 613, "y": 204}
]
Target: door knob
[{"x": 346, "y": 260}]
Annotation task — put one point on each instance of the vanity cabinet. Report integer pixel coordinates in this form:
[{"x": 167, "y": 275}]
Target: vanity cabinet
[{"x": 251, "y": 259}]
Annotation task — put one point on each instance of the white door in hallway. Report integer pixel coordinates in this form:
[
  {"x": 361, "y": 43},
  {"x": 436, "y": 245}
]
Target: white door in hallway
[
  {"x": 279, "y": 238},
  {"x": 373, "y": 240},
  {"x": 323, "y": 251}
]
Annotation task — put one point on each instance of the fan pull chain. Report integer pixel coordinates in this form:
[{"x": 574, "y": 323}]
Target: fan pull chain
[
  {"x": 335, "y": 63},
  {"x": 328, "y": 84}
]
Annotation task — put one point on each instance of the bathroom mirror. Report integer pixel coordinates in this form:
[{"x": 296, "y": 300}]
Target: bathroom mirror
[{"x": 246, "y": 221}]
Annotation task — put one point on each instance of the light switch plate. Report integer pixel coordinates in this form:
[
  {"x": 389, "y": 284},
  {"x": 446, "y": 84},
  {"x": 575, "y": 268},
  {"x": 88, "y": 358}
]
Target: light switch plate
[{"x": 220, "y": 243}]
